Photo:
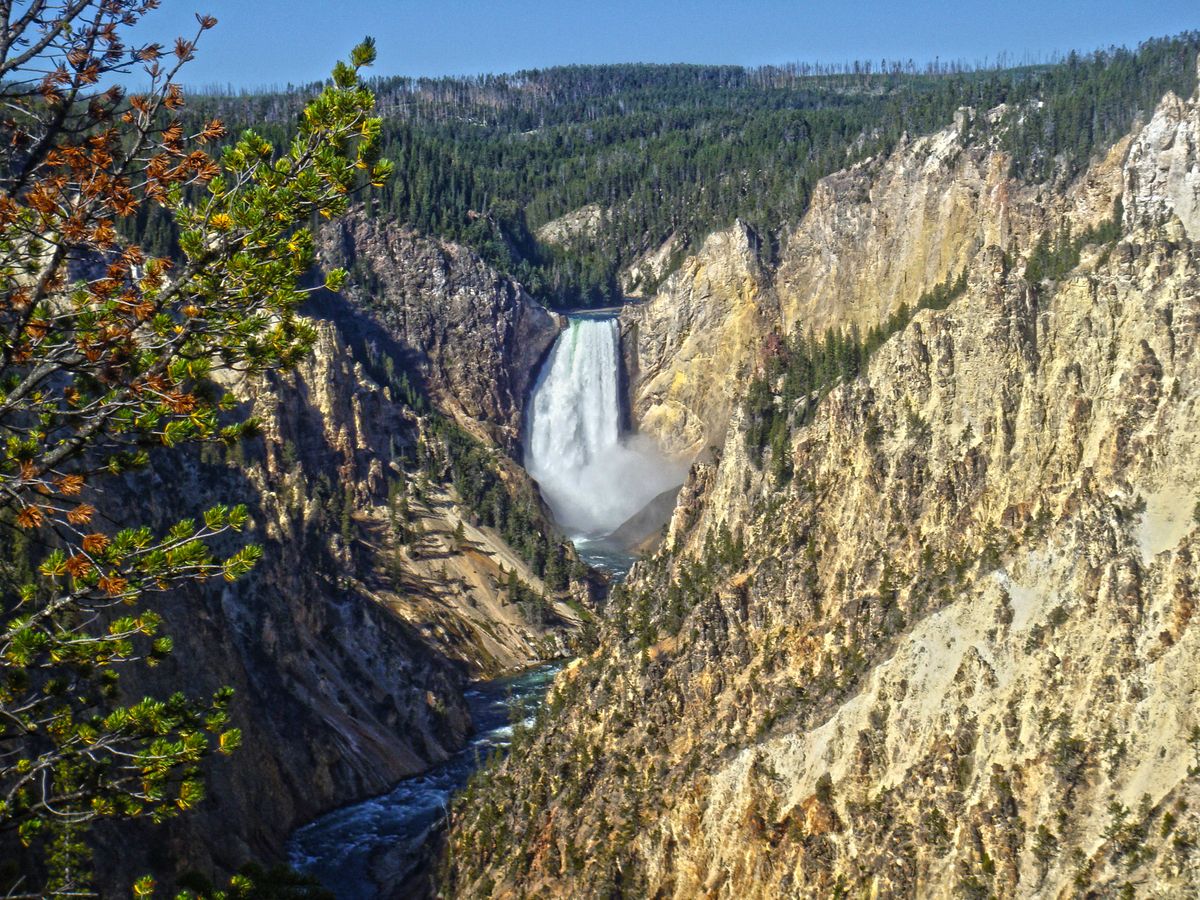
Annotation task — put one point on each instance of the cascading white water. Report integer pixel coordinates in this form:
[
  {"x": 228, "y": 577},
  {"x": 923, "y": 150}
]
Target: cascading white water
[{"x": 592, "y": 476}]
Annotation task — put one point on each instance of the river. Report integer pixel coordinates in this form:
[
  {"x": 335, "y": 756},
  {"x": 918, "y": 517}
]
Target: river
[{"x": 341, "y": 848}]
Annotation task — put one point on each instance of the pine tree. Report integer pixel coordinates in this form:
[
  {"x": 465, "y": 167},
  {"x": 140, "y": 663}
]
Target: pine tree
[{"x": 93, "y": 372}]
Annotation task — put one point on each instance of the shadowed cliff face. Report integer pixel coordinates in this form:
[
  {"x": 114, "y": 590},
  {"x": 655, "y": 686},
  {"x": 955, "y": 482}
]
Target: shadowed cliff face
[
  {"x": 474, "y": 335},
  {"x": 954, "y": 655},
  {"x": 336, "y": 696},
  {"x": 351, "y": 643}
]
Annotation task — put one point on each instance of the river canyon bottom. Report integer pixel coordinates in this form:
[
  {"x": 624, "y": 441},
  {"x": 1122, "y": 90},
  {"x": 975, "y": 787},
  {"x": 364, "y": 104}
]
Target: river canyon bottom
[{"x": 353, "y": 849}]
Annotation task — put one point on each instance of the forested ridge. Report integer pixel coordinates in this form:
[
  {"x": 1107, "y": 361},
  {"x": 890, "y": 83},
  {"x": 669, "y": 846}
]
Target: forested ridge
[{"x": 681, "y": 150}]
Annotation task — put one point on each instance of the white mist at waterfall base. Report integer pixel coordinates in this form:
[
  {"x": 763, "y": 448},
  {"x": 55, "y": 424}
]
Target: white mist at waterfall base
[{"x": 593, "y": 477}]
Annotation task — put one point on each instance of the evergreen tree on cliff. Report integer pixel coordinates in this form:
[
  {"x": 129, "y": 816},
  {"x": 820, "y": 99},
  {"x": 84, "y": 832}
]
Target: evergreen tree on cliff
[{"x": 107, "y": 355}]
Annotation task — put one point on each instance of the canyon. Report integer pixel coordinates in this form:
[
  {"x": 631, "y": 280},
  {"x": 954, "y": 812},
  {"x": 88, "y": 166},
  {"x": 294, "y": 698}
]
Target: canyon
[
  {"x": 933, "y": 638},
  {"x": 604, "y": 480},
  {"x": 949, "y": 651}
]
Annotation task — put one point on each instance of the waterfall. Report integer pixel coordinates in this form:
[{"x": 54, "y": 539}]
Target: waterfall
[{"x": 593, "y": 477}]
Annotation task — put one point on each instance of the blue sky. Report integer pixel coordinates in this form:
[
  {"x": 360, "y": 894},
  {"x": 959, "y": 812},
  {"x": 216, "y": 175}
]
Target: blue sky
[{"x": 262, "y": 42}]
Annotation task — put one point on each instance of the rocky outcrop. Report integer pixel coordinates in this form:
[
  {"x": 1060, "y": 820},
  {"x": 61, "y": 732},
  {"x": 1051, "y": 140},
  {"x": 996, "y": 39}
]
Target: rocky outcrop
[
  {"x": 886, "y": 230},
  {"x": 475, "y": 336},
  {"x": 580, "y": 223},
  {"x": 690, "y": 349},
  {"x": 644, "y": 274},
  {"x": 952, "y": 655},
  {"x": 1163, "y": 175},
  {"x": 448, "y": 586}
]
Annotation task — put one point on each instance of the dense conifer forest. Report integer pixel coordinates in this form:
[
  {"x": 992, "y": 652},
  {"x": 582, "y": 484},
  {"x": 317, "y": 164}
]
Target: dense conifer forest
[{"x": 678, "y": 151}]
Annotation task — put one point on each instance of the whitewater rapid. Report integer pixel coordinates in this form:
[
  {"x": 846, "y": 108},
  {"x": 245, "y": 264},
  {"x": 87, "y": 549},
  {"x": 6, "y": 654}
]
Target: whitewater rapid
[{"x": 593, "y": 477}]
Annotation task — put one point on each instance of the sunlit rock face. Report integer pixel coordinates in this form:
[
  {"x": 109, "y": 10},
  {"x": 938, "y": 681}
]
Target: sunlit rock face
[
  {"x": 955, "y": 653},
  {"x": 1162, "y": 178},
  {"x": 691, "y": 347}
]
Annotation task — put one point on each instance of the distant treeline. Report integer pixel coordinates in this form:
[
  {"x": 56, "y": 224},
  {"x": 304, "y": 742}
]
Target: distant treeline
[{"x": 683, "y": 150}]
